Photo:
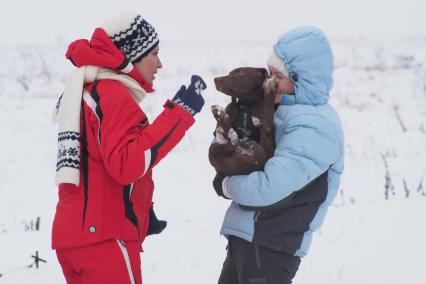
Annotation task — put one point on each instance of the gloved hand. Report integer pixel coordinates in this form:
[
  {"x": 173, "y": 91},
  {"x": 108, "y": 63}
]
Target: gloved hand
[
  {"x": 217, "y": 184},
  {"x": 190, "y": 99},
  {"x": 155, "y": 226}
]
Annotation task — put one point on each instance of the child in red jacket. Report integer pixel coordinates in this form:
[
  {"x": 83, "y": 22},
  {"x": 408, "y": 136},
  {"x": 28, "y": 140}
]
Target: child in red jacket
[{"x": 107, "y": 149}]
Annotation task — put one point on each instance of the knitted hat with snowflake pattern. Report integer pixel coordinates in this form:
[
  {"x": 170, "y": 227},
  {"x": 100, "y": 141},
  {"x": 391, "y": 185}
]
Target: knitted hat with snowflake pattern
[{"x": 132, "y": 34}]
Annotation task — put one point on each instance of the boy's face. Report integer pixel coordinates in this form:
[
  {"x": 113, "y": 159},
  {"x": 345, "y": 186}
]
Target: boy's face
[
  {"x": 148, "y": 65},
  {"x": 284, "y": 84}
]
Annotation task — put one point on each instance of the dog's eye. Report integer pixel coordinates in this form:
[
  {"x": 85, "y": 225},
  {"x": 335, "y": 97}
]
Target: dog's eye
[{"x": 264, "y": 74}]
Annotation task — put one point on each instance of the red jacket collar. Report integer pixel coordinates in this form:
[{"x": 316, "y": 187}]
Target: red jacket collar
[{"x": 102, "y": 52}]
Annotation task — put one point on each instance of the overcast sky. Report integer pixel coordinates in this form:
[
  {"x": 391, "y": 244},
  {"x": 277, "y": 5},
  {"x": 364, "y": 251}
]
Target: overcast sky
[{"x": 35, "y": 22}]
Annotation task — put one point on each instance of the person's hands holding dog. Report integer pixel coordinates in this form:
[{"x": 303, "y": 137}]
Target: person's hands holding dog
[
  {"x": 190, "y": 98},
  {"x": 218, "y": 184}
]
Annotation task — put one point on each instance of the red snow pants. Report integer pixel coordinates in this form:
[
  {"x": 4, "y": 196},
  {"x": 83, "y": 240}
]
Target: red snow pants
[{"x": 110, "y": 262}]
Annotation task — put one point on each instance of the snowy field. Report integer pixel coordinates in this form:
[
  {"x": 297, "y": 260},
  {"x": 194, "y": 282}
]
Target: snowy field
[{"x": 373, "y": 233}]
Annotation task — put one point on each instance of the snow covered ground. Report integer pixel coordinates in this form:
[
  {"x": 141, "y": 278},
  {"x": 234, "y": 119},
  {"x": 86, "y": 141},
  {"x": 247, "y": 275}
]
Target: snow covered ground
[{"x": 371, "y": 235}]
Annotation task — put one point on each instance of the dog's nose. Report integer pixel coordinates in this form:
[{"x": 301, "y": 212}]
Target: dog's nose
[{"x": 215, "y": 80}]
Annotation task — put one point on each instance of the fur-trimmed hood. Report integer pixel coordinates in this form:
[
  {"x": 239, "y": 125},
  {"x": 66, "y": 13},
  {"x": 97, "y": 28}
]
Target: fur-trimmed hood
[{"x": 307, "y": 54}]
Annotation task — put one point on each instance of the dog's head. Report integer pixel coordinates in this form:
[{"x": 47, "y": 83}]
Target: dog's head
[{"x": 244, "y": 83}]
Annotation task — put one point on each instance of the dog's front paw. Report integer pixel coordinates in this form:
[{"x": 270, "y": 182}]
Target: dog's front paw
[{"x": 219, "y": 113}]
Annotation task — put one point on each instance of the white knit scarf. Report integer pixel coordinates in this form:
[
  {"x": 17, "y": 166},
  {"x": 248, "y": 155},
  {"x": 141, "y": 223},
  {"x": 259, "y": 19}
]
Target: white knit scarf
[{"x": 67, "y": 115}]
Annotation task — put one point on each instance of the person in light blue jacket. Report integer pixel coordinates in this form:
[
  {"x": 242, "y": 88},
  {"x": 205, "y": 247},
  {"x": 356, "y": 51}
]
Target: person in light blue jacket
[{"x": 274, "y": 212}]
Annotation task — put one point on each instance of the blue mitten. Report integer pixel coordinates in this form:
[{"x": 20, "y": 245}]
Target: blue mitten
[{"x": 190, "y": 98}]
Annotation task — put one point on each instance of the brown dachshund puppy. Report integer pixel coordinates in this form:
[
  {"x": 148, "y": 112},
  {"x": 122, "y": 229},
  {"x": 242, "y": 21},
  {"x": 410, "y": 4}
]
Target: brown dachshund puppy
[{"x": 244, "y": 135}]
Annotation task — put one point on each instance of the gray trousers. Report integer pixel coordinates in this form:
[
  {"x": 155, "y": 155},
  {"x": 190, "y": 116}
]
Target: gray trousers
[{"x": 247, "y": 263}]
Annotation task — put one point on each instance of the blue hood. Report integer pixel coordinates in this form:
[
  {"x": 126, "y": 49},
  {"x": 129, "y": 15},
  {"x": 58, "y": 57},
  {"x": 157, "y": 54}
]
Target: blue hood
[{"x": 306, "y": 52}]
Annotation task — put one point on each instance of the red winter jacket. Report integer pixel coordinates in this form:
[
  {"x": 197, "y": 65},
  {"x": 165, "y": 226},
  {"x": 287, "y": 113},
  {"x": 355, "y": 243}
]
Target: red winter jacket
[{"x": 119, "y": 149}]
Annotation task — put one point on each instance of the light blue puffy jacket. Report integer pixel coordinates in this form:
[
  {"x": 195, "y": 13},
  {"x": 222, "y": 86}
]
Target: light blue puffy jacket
[{"x": 283, "y": 205}]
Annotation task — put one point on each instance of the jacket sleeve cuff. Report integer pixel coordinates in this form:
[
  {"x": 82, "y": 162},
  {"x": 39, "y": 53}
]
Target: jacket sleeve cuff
[
  {"x": 225, "y": 189},
  {"x": 183, "y": 114}
]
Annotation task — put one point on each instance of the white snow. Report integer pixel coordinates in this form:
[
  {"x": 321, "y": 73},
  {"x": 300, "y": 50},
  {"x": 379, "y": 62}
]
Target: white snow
[{"x": 380, "y": 93}]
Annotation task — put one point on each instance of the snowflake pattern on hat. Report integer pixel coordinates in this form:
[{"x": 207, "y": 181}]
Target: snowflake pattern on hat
[{"x": 136, "y": 39}]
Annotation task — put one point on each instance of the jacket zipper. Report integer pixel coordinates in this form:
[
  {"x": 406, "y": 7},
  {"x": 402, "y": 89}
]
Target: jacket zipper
[
  {"x": 256, "y": 248},
  {"x": 256, "y": 216},
  {"x": 256, "y": 252}
]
